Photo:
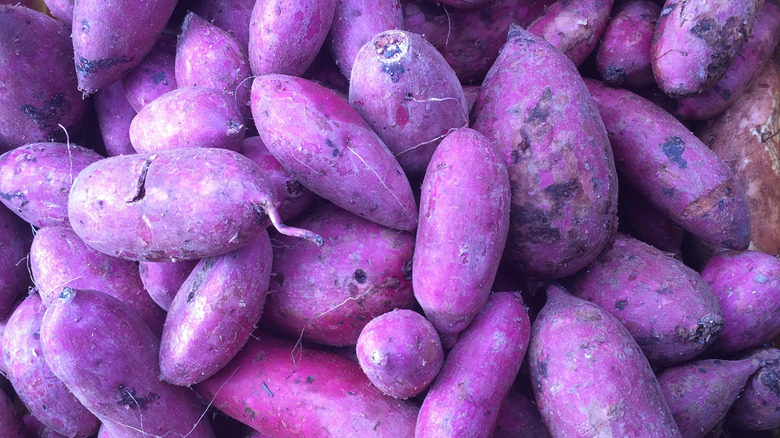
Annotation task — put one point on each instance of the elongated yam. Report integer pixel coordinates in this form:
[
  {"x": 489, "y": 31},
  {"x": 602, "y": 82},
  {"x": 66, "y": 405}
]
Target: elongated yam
[
  {"x": 11, "y": 425},
  {"x": 756, "y": 407},
  {"x": 114, "y": 115},
  {"x": 154, "y": 76},
  {"x": 163, "y": 279},
  {"x": 230, "y": 15},
  {"x": 519, "y": 416},
  {"x": 15, "y": 240}
]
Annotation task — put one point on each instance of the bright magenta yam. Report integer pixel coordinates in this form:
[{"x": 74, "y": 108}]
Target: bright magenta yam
[
  {"x": 230, "y": 15},
  {"x": 163, "y": 279},
  {"x": 114, "y": 115},
  {"x": 154, "y": 76}
]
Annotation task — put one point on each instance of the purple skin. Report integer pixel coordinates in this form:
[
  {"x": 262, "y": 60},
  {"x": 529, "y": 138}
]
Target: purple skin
[
  {"x": 325, "y": 71},
  {"x": 11, "y": 425},
  {"x": 236, "y": 201},
  {"x": 756, "y": 408},
  {"x": 36, "y": 429},
  {"x": 230, "y": 15},
  {"x": 59, "y": 258},
  {"x": 409, "y": 96},
  {"x": 114, "y": 115},
  {"x": 214, "y": 313},
  {"x": 400, "y": 352},
  {"x": 293, "y": 196},
  {"x": 673, "y": 169},
  {"x": 463, "y": 4},
  {"x": 471, "y": 92},
  {"x": 328, "y": 294},
  {"x": 668, "y": 309},
  {"x": 154, "y": 76},
  {"x": 747, "y": 283},
  {"x": 186, "y": 118},
  {"x": 333, "y": 151},
  {"x": 700, "y": 393},
  {"x": 750, "y": 61},
  {"x": 519, "y": 417},
  {"x": 590, "y": 376},
  {"x": 647, "y": 224},
  {"x": 464, "y": 220},
  {"x": 277, "y": 25},
  {"x": 115, "y": 375},
  {"x": 208, "y": 56},
  {"x": 469, "y": 39},
  {"x": 39, "y": 389},
  {"x": 282, "y": 389},
  {"x": 37, "y": 84},
  {"x": 695, "y": 41},
  {"x": 109, "y": 42},
  {"x": 573, "y": 26},
  {"x": 623, "y": 58},
  {"x": 355, "y": 23},
  {"x": 163, "y": 279},
  {"x": 35, "y": 180},
  {"x": 15, "y": 240},
  {"x": 59, "y": 9},
  {"x": 561, "y": 170},
  {"x": 478, "y": 372}
]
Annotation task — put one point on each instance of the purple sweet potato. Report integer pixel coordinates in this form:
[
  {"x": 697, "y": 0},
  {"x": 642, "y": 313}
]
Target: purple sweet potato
[
  {"x": 115, "y": 375},
  {"x": 325, "y": 71},
  {"x": 230, "y": 15},
  {"x": 573, "y": 26},
  {"x": 328, "y": 294},
  {"x": 293, "y": 196},
  {"x": 188, "y": 117},
  {"x": 355, "y": 23},
  {"x": 61, "y": 10},
  {"x": 35, "y": 180},
  {"x": 755, "y": 54},
  {"x": 109, "y": 40},
  {"x": 15, "y": 240},
  {"x": 695, "y": 41},
  {"x": 471, "y": 92},
  {"x": 518, "y": 417},
  {"x": 154, "y": 191},
  {"x": 11, "y": 425},
  {"x": 163, "y": 279},
  {"x": 154, "y": 76},
  {"x": 114, "y": 115},
  {"x": 644, "y": 222},
  {"x": 400, "y": 352},
  {"x": 464, "y": 220},
  {"x": 281, "y": 389},
  {"x": 208, "y": 56},
  {"x": 409, "y": 96},
  {"x": 700, "y": 393},
  {"x": 36, "y": 429},
  {"x": 673, "y": 169},
  {"x": 463, "y": 4},
  {"x": 37, "y": 83},
  {"x": 745, "y": 138},
  {"x": 757, "y": 406},
  {"x": 332, "y": 151},
  {"x": 747, "y": 283},
  {"x": 590, "y": 377},
  {"x": 666, "y": 306},
  {"x": 477, "y": 374},
  {"x": 40, "y": 390},
  {"x": 536, "y": 109},
  {"x": 59, "y": 258},
  {"x": 285, "y": 35},
  {"x": 623, "y": 58},
  {"x": 214, "y": 313}
]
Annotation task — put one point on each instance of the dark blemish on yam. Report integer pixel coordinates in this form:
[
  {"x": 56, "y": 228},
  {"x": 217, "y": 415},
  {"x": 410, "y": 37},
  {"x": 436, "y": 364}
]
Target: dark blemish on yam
[
  {"x": 541, "y": 111},
  {"x": 310, "y": 379},
  {"x": 251, "y": 413},
  {"x": 703, "y": 370},
  {"x": 541, "y": 365},
  {"x": 406, "y": 269},
  {"x": 615, "y": 75},
  {"x": 668, "y": 191},
  {"x": 391, "y": 45},
  {"x": 395, "y": 70},
  {"x": 517, "y": 34},
  {"x": 664, "y": 291},
  {"x": 620, "y": 305},
  {"x": 10, "y": 196},
  {"x": 563, "y": 191},
  {"x": 266, "y": 389},
  {"x": 760, "y": 278},
  {"x": 89, "y": 66},
  {"x": 293, "y": 188},
  {"x": 674, "y": 148},
  {"x": 129, "y": 399},
  {"x": 587, "y": 313},
  {"x": 158, "y": 77},
  {"x": 200, "y": 277},
  {"x": 704, "y": 28},
  {"x": 85, "y": 27},
  {"x": 771, "y": 380},
  {"x": 141, "y": 184},
  {"x": 360, "y": 276},
  {"x": 49, "y": 113},
  {"x": 334, "y": 150}
]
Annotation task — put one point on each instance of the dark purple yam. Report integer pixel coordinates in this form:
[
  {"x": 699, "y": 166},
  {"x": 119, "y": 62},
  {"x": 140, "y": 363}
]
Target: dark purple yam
[
  {"x": 590, "y": 376},
  {"x": 293, "y": 196},
  {"x": 757, "y": 406},
  {"x": 15, "y": 239},
  {"x": 519, "y": 417},
  {"x": 111, "y": 40},
  {"x": 230, "y": 15},
  {"x": 11, "y": 425},
  {"x": 154, "y": 76},
  {"x": 214, "y": 313},
  {"x": 700, "y": 393},
  {"x": 355, "y": 22},
  {"x": 153, "y": 192},
  {"x": 573, "y": 26},
  {"x": 36, "y": 429},
  {"x": 752, "y": 58},
  {"x": 325, "y": 71},
  {"x": 115, "y": 375},
  {"x": 332, "y": 151},
  {"x": 668, "y": 309},
  {"x": 59, "y": 9},
  {"x": 747, "y": 283},
  {"x": 285, "y": 35},
  {"x": 673, "y": 169},
  {"x": 464, "y": 220},
  {"x": 409, "y": 96},
  {"x": 328, "y": 294},
  {"x": 35, "y": 180},
  {"x": 40, "y": 390},
  {"x": 163, "y": 279},
  {"x": 647, "y": 224},
  {"x": 114, "y": 115},
  {"x": 400, "y": 352},
  {"x": 465, "y": 398},
  {"x": 534, "y": 106},
  {"x": 210, "y": 57},
  {"x": 37, "y": 83},
  {"x": 186, "y": 118},
  {"x": 623, "y": 58},
  {"x": 59, "y": 258}
]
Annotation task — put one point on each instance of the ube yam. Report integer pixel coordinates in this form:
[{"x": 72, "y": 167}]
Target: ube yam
[
  {"x": 163, "y": 279},
  {"x": 15, "y": 240},
  {"x": 757, "y": 406},
  {"x": 519, "y": 416},
  {"x": 154, "y": 76},
  {"x": 230, "y": 15},
  {"x": 114, "y": 115},
  {"x": 11, "y": 425}
]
